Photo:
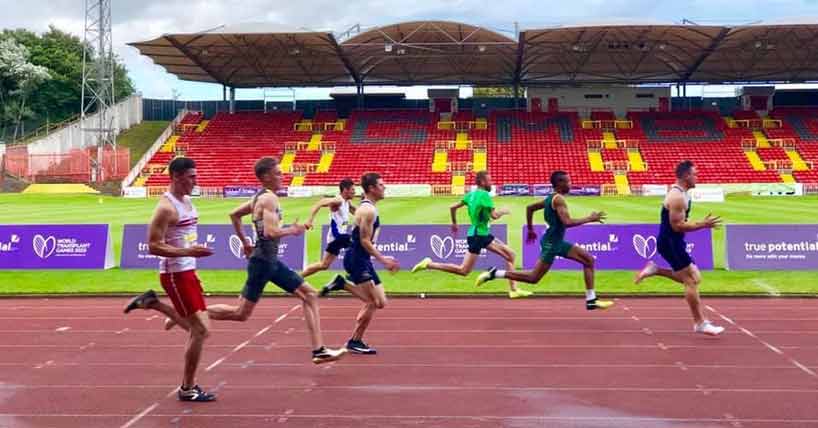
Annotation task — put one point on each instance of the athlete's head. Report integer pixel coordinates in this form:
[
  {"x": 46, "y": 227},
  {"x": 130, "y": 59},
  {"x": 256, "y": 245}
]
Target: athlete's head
[
  {"x": 561, "y": 182},
  {"x": 373, "y": 187},
  {"x": 182, "y": 172},
  {"x": 686, "y": 174},
  {"x": 483, "y": 180},
  {"x": 347, "y": 188},
  {"x": 268, "y": 172}
]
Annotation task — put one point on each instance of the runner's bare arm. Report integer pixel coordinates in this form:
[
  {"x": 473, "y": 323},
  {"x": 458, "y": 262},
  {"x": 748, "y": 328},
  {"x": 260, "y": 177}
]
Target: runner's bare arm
[
  {"x": 323, "y": 203},
  {"x": 676, "y": 207},
  {"x": 162, "y": 217},
  {"x": 235, "y": 217},
  {"x": 561, "y": 207},
  {"x": 272, "y": 224}
]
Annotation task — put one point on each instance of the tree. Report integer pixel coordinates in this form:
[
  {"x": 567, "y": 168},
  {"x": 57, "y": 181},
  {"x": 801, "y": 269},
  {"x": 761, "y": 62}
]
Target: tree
[
  {"x": 58, "y": 98},
  {"x": 18, "y": 79}
]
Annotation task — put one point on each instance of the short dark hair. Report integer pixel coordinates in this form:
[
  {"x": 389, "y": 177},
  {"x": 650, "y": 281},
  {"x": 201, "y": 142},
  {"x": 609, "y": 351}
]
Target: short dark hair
[
  {"x": 369, "y": 179},
  {"x": 264, "y": 165},
  {"x": 345, "y": 184},
  {"x": 480, "y": 176},
  {"x": 683, "y": 168},
  {"x": 557, "y": 176},
  {"x": 180, "y": 164}
]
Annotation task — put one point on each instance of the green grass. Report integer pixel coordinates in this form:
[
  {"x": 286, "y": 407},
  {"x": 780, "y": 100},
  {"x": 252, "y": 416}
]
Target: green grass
[
  {"x": 34, "y": 209},
  {"x": 140, "y": 137}
]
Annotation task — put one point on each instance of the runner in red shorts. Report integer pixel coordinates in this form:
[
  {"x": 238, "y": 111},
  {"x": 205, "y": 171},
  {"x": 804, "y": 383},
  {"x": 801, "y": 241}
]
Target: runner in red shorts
[{"x": 172, "y": 237}]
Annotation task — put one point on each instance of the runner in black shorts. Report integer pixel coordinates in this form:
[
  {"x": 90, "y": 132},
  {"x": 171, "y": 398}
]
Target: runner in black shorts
[
  {"x": 338, "y": 237},
  {"x": 264, "y": 266},
  {"x": 673, "y": 248},
  {"x": 365, "y": 283}
]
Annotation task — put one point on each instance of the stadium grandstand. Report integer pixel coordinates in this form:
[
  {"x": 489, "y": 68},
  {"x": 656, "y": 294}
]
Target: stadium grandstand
[{"x": 586, "y": 99}]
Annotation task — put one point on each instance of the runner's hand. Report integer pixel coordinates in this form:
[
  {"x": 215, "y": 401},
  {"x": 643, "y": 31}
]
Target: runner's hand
[
  {"x": 199, "y": 251},
  {"x": 391, "y": 264}
]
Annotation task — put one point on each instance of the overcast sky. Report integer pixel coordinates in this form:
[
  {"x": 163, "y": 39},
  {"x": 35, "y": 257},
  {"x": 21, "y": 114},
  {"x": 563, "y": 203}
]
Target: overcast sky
[{"x": 147, "y": 19}]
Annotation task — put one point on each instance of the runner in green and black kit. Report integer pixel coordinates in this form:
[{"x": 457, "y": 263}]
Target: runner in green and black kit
[
  {"x": 553, "y": 243},
  {"x": 481, "y": 212}
]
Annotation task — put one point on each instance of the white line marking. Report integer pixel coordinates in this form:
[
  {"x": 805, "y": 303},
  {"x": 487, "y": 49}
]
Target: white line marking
[
  {"x": 769, "y": 346},
  {"x": 141, "y": 415},
  {"x": 215, "y": 364},
  {"x": 223, "y": 385},
  {"x": 61, "y": 329},
  {"x": 209, "y": 368},
  {"x": 620, "y": 420},
  {"x": 766, "y": 286}
]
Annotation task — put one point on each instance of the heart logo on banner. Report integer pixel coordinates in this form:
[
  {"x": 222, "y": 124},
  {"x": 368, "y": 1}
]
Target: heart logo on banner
[
  {"x": 236, "y": 246},
  {"x": 44, "y": 247},
  {"x": 442, "y": 247},
  {"x": 644, "y": 247}
]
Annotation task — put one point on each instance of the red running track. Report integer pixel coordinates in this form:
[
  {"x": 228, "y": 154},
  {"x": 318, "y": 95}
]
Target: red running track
[{"x": 441, "y": 362}]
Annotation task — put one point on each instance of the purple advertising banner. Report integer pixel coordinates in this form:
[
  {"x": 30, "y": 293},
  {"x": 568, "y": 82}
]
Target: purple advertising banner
[
  {"x": 514, "y": 190},
  {"x": 620, "y": 246},
  {"x": 227, "y": 247},
  {"x": 409, "y": 244},
  {"x": 51, "y": 246},
  {"x": 772, "y": 247},
  {"x": 240, "y": 191},
  {"x": 546, "y": 189}
]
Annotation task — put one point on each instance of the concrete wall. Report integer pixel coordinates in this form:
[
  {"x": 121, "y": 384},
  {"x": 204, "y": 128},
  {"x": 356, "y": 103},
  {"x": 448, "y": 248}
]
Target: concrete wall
[
  {"x": 127, "y": 113},
  {"x": 585, "y": 99}
]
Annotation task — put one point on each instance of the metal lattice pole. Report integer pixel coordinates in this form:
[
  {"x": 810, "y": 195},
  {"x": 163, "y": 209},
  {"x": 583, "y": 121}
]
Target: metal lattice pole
[{"x": 98, "y": 79}]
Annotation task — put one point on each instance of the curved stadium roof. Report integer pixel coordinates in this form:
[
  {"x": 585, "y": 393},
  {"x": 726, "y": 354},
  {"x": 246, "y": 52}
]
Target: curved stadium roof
[{"x": 443, "y": 52}]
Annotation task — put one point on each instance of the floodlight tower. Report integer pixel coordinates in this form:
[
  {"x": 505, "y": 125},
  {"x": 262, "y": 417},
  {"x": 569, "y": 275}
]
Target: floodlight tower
[{"x": 98, "y": 79}]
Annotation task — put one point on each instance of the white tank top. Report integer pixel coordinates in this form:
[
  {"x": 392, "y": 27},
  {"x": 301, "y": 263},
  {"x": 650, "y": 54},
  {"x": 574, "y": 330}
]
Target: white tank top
[
  {"x": 339, "y": 221},
  {"x": 180, "y": 235}
]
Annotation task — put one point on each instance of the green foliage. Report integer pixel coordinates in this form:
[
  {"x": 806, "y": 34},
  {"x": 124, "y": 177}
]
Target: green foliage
[{"x": 61, "y": 54}]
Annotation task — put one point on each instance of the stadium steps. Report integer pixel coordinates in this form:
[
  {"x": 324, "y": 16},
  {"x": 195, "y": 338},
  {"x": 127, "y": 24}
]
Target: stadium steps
[
  {"x": 609, "y": 139},
  {"x": 287, "y": 162},
  {"x": 59, "y": 188},
  {"x": 755, "y": 160},
  {"x": 637, "y": 164},
  {"x": 298, "y": 180},
  {"x": 479, "y": 161},
  {"x": 787, "y": 178},
  {"x": 440, "y": 160},
  {"x": 595, "y": 159},
  {"x": 798, "y": 163},
  {"x": 315, "y": 143},
  {"x": 325, "y": 162},
  {"x": 140, "y": 181},
  {"x": 623, "y": 187},
  {"x": 458, "y": 184},
  {"x": 761, "y": 140},
  {"x": 202, "y": 126},
  {"x": 462, "y": 141},
  {"x": 170, "y": 144}
]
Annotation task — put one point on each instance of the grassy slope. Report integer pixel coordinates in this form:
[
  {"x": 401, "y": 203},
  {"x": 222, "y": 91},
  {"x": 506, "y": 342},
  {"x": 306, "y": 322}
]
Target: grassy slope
[
  {"x": 140, "y": 137},
  {"x": 118, "y": 211}
]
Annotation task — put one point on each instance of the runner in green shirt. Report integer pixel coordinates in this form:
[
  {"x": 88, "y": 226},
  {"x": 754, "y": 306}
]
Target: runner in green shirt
[
  {"x": 481, "y": 212},
  {"x": 553, "y": 243}
]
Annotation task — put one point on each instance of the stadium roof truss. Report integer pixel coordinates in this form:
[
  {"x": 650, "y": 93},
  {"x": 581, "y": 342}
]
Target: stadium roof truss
[{"x": 451, "y": 53}]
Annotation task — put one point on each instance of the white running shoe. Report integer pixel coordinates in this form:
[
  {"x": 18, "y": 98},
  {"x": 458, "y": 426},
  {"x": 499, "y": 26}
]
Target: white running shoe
[
  {"x": 649, "y": 270},
  {"x": 708, "y": 328}
]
